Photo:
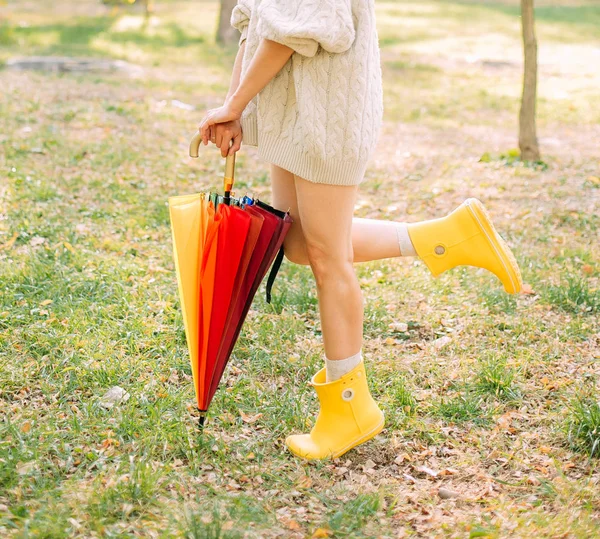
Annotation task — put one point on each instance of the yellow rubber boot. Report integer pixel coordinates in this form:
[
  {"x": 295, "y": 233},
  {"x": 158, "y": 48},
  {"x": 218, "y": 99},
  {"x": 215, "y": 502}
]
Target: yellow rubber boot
[
  {"x": 466, "y": 237},
  {"x": 348, "y": 416}
]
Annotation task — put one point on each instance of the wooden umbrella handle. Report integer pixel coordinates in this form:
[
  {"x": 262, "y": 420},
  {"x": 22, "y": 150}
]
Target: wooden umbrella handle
[
  {"x": 228, "y": 177},
  {"x": 195, "y": 144}
]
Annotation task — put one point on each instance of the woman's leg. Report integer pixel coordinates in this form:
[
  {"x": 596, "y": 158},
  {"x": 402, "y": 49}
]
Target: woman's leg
[
  {"x": 372, "y": 239},
  {"x": 466, "y": 236},
  {"x": 348, "y": 414},
  {"x": 283, "y": 191},
  {"x": 325, "y": 212}
]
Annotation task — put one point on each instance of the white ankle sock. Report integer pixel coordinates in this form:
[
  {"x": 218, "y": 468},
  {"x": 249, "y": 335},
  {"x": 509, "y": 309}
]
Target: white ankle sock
[
  {"x": 406, "y": 246},
  {"x": 337, "y": 368}
]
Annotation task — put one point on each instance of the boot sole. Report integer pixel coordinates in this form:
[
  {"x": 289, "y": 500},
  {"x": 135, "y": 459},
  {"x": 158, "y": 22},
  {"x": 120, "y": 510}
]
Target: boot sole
[
  {"x": 498, "y": 245},
  {"x": 364, "y": 438}
]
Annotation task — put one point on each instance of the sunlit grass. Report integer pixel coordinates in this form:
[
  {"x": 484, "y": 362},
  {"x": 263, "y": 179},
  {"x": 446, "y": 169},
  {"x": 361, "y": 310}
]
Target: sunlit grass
[{"x": 88, "y": 298}]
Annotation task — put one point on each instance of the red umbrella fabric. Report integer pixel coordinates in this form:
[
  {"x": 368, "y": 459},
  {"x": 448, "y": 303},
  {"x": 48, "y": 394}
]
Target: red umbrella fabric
[
  {"x": 234, "y": 224},
  {"x": 268, "y": 244},
  {"x": 241, "y": 242}
]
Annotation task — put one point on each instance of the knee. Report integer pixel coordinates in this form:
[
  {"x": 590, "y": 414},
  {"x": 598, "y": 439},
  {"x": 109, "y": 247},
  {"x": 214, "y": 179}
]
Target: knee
[{"x": 327, "y": 263}]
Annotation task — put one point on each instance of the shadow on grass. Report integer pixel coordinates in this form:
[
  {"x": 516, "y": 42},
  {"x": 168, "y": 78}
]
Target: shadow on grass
[{"x": 78, "y": 36}]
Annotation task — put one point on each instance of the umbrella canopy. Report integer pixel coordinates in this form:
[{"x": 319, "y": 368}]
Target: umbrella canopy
[{"x": 223, "y": 248}]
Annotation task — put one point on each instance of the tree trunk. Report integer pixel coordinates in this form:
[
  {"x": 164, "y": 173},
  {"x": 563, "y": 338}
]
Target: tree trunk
[
  {"x": 528, "y": 143},
  {"x": 226, "y": 34},
  {"x": 148, "y": 8}
]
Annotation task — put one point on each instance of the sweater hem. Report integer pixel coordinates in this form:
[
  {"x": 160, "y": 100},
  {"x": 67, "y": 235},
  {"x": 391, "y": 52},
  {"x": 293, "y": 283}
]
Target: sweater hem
[
  {"x": 249, "y": 129},
  {"x": 314, "y": 169}
]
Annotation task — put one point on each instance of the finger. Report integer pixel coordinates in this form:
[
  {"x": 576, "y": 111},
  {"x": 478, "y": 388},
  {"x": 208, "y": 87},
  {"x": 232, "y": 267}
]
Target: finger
[
  {"x": 226, "y": 135},
  {"x": 225, "y": 146},
  {"x": 214, "y": 133},
  {"x": 219, "y": 136},
  {"x": 206, "y": 124},
  {"x": 203, "y": 128},
  {"x": 237, "y": 143}
]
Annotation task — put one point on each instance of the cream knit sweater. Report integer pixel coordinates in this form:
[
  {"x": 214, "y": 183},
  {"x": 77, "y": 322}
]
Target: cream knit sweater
[{"x": 320, "y": 116}]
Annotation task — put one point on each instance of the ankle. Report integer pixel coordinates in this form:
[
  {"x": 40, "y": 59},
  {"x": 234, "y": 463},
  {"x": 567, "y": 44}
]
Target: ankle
[
  {"x": 336, "y": 368},
  {"x": 404, "y": 242}
]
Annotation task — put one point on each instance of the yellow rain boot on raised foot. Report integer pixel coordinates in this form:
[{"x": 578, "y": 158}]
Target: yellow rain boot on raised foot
[
  {"x": 466, "y": 237},
  {"x": 348, "y": 416}
]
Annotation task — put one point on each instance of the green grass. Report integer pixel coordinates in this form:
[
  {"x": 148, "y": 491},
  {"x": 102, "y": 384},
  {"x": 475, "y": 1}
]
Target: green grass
[
  {"x": 497, "y": 378},
  {"x": 583, "y": 425},
  {"x": 574, "y": 295},
  {"x": 350, "y": 519},
  {"x": 462, "y": 408},
  {"x": 88, "y": 297}
]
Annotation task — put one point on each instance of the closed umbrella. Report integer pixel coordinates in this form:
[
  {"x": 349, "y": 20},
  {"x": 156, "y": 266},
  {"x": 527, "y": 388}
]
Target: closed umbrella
[{"x": 223, "y": 248}]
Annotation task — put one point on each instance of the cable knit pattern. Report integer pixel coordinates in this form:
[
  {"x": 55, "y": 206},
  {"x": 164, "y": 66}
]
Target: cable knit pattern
[{"x": 320, "y": 116}]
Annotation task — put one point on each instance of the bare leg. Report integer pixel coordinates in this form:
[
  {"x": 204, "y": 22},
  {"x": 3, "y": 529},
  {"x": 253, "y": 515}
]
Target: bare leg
[
  {"x": 466, "y": 236},
  {"x": 326, "y": 215},
  {"x": 372, "y": 239}
]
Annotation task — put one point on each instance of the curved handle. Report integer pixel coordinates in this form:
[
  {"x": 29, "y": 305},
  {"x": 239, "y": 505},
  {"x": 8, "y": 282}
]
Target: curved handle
[
  {"x": 195, "y": 144},
  {"x": 228, "y": 177}
]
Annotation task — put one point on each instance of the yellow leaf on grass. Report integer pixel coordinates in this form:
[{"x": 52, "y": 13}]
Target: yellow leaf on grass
[
  {"x": 46, "y": 302},
  {"x": 304, "y": 482},
  {"x": 321, "y": 532},
  {"x": 68, "y": 246},
  {"x": 10, "y": 242},
  {"x": 26, "y": 427}
]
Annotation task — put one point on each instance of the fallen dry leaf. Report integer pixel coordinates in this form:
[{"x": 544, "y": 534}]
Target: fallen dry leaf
[
  {"x": 292, "y": 525},
  {"x": 527, "y": 290},
  {"x": 426, "y": 471},
  {"x": 304, "y": 482},
  {"x": 246, "y": 418},
  {"x": 587, "y": 269},
  {"x": 399, "y": 326},
  {"x": 115, "y": 395},
  {"x": 442, "y": 341}
]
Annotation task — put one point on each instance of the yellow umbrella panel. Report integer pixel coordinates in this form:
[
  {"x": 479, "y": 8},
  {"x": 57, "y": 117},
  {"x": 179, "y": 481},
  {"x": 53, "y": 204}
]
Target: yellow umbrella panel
[{"x": 189, "y": 216}]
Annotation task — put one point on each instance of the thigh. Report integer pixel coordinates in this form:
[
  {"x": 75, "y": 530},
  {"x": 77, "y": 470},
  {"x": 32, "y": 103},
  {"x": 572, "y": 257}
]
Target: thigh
[
  {"x": 283, "y": 191},
  {"x": 326, "y": 213}
]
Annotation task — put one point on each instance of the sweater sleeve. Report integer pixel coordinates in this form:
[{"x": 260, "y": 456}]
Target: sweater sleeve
[
  {"x": 240, "y": 17},
  {"x": 303, "y": 25}
]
